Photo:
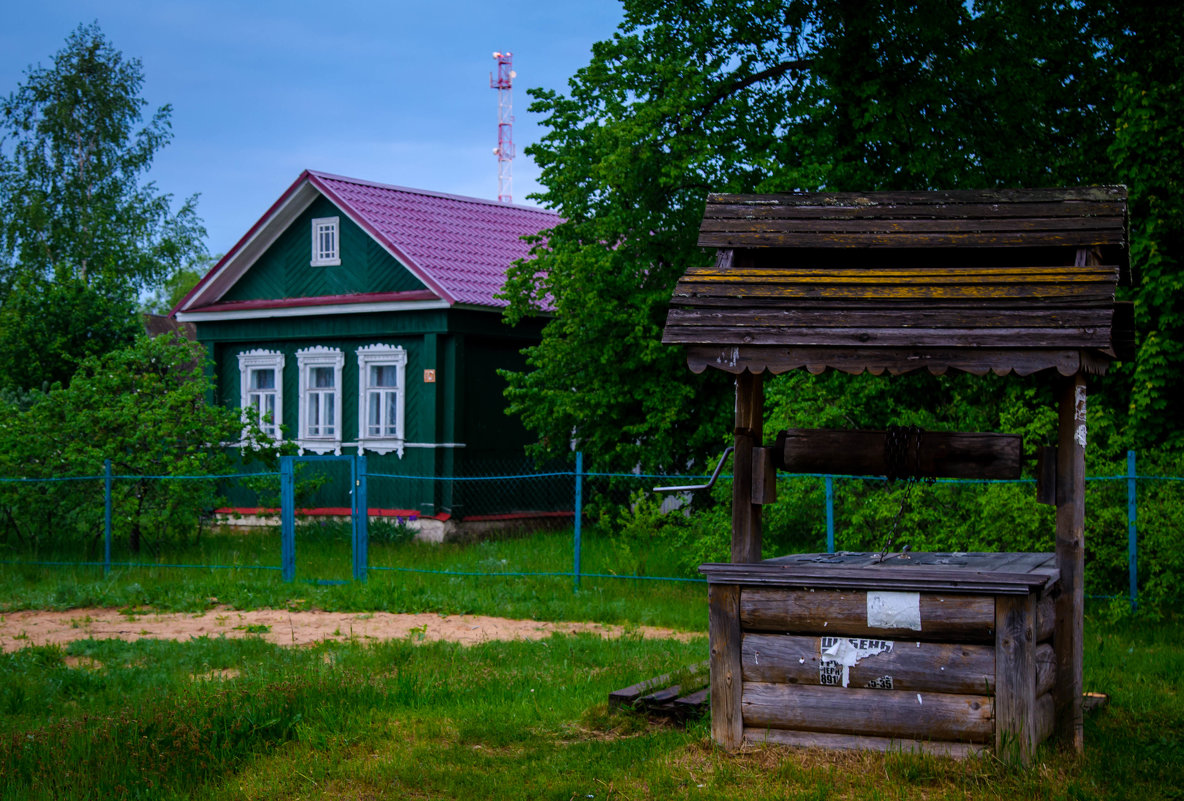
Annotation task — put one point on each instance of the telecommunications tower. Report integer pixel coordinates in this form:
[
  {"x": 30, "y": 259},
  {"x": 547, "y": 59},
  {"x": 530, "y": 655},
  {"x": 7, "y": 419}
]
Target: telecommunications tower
[{"x": 505, "y": 124}]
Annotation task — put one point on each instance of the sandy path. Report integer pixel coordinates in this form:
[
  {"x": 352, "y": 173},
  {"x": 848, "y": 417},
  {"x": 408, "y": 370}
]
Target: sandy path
[{"x": 283, "y": 627}]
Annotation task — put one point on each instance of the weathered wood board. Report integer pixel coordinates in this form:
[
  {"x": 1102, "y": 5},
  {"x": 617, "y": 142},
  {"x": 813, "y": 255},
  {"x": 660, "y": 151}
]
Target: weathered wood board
[
  {"x": 861, "y": 662},
  {"x": 930, "y": 454},
  {"x": 879, "y": 713},
  {"x": 924, "y": 617}
]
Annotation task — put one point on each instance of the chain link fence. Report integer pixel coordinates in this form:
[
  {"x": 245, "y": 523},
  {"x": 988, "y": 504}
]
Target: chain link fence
[{"x": 109, "y": 521}]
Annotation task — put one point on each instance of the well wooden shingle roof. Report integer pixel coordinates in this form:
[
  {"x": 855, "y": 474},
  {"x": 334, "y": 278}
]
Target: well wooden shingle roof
[{"x": 1004, "y": 281}]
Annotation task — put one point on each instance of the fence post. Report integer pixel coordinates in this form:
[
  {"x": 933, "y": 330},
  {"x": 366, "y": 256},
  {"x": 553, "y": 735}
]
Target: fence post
[
  {"x": 579, "y": 518},
  {"x": 830, "y": 514},
  {"x": 361, "y": 520},
  {"x": 288, "y": 518},
  {"x": 1132, "y": 509},
  {"x": 106, "y": 517}
]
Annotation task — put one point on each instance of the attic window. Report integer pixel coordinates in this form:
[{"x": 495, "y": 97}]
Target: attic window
[{"x": 326, "y": 243}]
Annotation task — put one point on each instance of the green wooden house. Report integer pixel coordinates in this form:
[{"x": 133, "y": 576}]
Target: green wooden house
[{"x": 357, "y": 317}]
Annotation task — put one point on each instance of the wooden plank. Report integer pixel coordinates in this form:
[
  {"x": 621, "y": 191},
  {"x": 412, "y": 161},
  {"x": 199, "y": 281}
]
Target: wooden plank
[
  {"x": 1085, "y": 238},
  {"x": 1046, "y": 618},
  {"x": 884, "y": 316},
  {"x": 871, "y": 274},
  {"x": 764, "y": 476},
  {"x": 1046, "y": 669},
  {"x": 692, "y": 705},
  {"x": 746, "y": 515},
  {"x": 894, "y": 574},
  {"x": 726, "y": 684},
  {"x": 633, "y": 693},
  {"x": 1015, "y": 677},
  {"x": 944, "y": 202},
  {"x": 879, "y": 713},
  {"x": 896, "y": 361},
  {"x": 998, "y": 337},
  {"x": 937, "y": 454},
  {"x": 943, "y": 618},
  {"x": 1045, "y": 717},
  {"x": 908, "y": 224},
  {"x": 899, "y": 291},
  {"x": 854, "y": 742},
  {"x": 879, "y": 664},
  {"x": 1070, "y": 549}
]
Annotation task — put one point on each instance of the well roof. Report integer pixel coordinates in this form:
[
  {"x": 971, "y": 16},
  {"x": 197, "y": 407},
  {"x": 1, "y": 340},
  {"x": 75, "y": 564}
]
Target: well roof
[{"x": 1001, "y": 280}]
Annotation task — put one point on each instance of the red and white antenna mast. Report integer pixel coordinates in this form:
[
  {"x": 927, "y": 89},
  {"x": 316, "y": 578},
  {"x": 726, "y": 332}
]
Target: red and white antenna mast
[{"x": 505, "y": 124}]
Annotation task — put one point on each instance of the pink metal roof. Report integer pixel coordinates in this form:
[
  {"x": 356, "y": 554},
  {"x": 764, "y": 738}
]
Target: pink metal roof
[{"x": 459, "y": 246}]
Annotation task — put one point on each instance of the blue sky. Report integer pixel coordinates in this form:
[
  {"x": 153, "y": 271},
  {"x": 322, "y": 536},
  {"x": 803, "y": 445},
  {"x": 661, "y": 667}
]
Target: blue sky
[{"x": 396, "y": 92}]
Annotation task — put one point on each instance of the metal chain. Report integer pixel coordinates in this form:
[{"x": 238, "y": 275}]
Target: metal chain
[{"x": 897, "y": 441}]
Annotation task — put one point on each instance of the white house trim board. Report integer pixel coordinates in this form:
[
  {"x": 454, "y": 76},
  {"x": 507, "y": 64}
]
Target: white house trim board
[
  {"x": 248, "y": 251},
  {"x": 318, "y": 401},
  {"x": 310, "y": 311},
  {"x": 381, "y": 397},
  {"x": 253, "y": 365}
]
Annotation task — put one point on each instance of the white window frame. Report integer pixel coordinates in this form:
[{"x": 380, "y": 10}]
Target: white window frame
[
  {"x": 381, "y": 356},
  {"x": 306, "y": 360},
  {"x": 326, "y": 257},
  {"x": 249, "y": 361}
]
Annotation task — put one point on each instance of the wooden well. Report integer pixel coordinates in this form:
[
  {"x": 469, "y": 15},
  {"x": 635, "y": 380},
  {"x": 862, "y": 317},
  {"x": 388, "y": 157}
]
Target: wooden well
[{"x": 948, "y": 652}]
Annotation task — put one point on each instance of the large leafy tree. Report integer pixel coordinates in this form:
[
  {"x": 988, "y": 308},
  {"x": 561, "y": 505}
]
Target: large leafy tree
[
  {"x": 1148, "y": 155},
  {"x": 767, "y": 95},
  {"x": 74, "y": 153}
]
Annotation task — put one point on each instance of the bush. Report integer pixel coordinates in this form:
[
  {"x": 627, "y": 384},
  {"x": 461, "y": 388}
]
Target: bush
[{"x": 143, "y": 408}]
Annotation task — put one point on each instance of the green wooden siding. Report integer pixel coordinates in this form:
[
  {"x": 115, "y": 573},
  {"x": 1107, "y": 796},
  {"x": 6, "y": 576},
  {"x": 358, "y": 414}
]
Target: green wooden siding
[
  {"x": 465, "y": 405},
  {"x": 284, "y": 270}
]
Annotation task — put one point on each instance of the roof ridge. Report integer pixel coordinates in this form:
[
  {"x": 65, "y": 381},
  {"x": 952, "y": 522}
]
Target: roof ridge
[{"x": 430, "y": 193}]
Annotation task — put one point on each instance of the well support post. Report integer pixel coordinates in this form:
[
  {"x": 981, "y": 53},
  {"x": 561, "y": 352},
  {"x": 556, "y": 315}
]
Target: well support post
[
  {"x": 1070, "y": 557},
  {"x": 746, "y": 515}
]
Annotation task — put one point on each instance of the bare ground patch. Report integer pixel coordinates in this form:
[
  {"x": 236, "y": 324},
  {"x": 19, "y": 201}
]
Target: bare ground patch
[{"x": 286, "y": 627}]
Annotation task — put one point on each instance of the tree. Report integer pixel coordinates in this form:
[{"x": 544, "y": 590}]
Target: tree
[
  {"x": 176, "y": 286},
  {"x": 49, "y": 328},
  {"x": 1148, "y": 155},
  {"x": 144, "y": 408},
  {"x": 765, "y": 95},
  {"x": 74, "y": 151}
]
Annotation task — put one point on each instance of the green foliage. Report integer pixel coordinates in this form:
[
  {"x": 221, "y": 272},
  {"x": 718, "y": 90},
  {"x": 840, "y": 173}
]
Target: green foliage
[
  {"x": 144, "y": 408},
  {"x": 762, "y": 96},
  {"x": 177, "y": 285},
  {"x": 1147, "y": 154},
  {"x": 48, "y": 328},
  {"x": 73, "y": 155}
]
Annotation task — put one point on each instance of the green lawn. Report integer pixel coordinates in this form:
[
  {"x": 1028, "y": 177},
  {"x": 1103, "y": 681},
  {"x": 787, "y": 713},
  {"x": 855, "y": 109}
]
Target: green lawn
[
  {"x": 234, "y": 719},
  {"x": 223, "y": 719}
]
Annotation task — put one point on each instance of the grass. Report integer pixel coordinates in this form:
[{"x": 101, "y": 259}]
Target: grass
[
  {"x": 219, "y": 719},
  {"x": 480, "y": 578}
]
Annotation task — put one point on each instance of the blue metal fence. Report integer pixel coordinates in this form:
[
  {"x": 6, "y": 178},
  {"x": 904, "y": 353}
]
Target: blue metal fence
[{"x": 359, "y": 484}]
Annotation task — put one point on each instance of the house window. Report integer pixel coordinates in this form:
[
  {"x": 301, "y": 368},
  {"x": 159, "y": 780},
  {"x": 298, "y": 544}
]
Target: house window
[
  {"x": 326, "y": 244},
  {"x": 261, "y": 379},
  {"x": 320, "y": 399},
  {"x": 381, "y": 395}
]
